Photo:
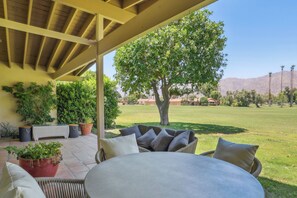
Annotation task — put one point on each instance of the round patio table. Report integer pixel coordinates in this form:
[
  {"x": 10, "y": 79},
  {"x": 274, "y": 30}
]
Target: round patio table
[{"x": 168, "y": 175}]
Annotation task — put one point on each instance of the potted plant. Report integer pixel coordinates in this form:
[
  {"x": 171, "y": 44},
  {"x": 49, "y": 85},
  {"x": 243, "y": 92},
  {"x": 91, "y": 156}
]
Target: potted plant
[
  {"x": 86, "y": 127},
  {"x": 40, "y": 159}
]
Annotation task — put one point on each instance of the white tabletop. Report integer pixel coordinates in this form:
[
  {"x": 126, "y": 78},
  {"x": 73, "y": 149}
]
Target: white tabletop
[{"x": 170, "y": 175}]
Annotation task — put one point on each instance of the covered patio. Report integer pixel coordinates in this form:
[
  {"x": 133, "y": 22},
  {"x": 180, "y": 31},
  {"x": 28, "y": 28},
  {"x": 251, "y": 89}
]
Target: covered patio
[{"x": 43, "y": 40}]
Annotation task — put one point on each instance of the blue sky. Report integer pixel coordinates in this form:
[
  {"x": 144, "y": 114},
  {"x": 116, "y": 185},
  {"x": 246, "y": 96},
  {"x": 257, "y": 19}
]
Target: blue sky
[{"x": 262, "y": 36}]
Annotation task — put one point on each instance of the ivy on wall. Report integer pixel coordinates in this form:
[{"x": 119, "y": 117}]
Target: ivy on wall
[
  {"x": 76, "y": 101},
  {"x": 34, "y": 102}
]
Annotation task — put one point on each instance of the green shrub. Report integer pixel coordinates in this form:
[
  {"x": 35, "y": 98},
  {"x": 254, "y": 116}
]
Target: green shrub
[
  {"x": 77, "y": 100},
  {"x": 203, "y": 101}
]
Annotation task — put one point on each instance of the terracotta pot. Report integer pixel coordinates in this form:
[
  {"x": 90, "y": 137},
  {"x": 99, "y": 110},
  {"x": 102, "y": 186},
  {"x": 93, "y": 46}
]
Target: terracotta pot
[
  {"x": 86, "y": 128},
  {"x": 40, "y": 168}
]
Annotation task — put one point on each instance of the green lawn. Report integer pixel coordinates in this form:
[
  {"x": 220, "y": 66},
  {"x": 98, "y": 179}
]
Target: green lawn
[{"x": 274, "y": 129}]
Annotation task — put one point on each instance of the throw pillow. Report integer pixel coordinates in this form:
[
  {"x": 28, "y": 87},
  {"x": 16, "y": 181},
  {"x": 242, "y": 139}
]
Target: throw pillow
[
  {"x": 16, "y": 182},
  {"x": 131, "y": 130},
  {"x": 161, "y": 142},
  {"x": 146, "y": 139},
  {"x": 119, "y": 146},
  {"x": 179, "y": 141},
  {"x": 241, "y": 155}
]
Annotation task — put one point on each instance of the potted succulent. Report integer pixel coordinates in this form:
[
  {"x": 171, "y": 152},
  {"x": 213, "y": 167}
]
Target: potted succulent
[
  {"x": 40, "y": 159},
  {"x": 86, "y": 127}
]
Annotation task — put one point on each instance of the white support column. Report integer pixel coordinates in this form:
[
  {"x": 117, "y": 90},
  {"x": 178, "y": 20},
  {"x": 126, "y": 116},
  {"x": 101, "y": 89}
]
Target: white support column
[{"x": 99, "y": 80}]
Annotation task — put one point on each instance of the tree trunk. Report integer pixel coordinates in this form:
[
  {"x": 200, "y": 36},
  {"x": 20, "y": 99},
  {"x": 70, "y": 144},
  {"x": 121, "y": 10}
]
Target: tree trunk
[
  {"x": 163, "y": 112},
  {"x": 163, "y": 106}
]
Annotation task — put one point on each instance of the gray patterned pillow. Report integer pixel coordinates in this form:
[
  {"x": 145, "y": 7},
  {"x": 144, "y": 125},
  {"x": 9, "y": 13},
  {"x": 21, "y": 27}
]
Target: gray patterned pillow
[
  {"x": 179, "y": 141},
  {"x": 162, "y": 141},
  {"x": 131, "y": 130},
  {"x": 241, "y": 155},
  {"x": 146, "y": 139}
]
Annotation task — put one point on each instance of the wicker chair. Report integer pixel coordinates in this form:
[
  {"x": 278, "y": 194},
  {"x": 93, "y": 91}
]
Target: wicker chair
[
  {"x": 256, "y": 168},
  {"x": 62, "y": 188},
  {"x": 100, "y": 155}
]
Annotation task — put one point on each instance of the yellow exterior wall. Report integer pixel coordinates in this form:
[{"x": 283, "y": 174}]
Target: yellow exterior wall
[{"x": 10, "y": 76}]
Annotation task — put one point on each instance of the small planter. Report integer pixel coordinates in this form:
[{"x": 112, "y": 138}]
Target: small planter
[
  {"x": 25, "y": 133},
  {"x": 40, "y": 168},
  {"x": 86, "y": 128},
  {"x": 73, "y": 131}
]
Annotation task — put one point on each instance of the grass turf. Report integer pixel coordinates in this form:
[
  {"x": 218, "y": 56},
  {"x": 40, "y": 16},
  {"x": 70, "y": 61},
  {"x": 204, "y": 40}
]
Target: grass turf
[{"x": 274, "y": 129}]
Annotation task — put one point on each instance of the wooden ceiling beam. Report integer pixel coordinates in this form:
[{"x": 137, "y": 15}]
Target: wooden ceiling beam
[
  {"x": 27, "y": 34},
  {"x": 74, "y": 46},
  {"x": 159, "y": 14},
  {"x": 84, "y": 69},
  {"x": 59, "y": 42},
  {"x": 7, "y": 33},
  {"x": 44, "y": 32},
  {"x": 49, "y": 20},
  {"x": 105, "y": 9},
  {"x": 129, "y": 3},
  {"x": 107, "y": 25},
  {"x": 82, "y": 59},
  {"x": 70, "y": 78}
]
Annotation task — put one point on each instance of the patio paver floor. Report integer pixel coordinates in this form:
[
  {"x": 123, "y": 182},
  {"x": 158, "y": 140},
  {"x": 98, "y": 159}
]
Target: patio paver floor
[{"x": 78, "y": 155}]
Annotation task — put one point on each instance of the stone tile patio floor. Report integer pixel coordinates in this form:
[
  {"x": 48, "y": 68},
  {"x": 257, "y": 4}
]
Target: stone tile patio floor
[{"x": 78, "y": 155}]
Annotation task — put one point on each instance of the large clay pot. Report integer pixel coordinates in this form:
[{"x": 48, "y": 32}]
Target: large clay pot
[
  {"x": 86, "y": 128},
  {"x": 40, "y": 168}
]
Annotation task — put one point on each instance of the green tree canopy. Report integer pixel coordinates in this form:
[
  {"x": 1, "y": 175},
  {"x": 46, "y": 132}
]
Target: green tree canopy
[{"x": 182, "y": 55}]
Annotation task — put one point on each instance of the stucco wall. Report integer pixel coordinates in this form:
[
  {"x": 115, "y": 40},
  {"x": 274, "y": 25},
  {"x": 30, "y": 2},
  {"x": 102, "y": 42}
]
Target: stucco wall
[{"x": 9, "y": 76}]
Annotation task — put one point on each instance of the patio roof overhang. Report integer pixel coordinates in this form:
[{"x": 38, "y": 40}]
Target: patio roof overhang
[{"x": 65, "y": 37}]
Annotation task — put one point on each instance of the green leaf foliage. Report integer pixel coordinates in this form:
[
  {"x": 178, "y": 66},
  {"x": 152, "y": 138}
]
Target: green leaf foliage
[
  {"x": 34, "y": 102},
  {"x": 77, "y": 100},
  {"x": 185, "y": 52},
  {"x": 36, "y": 151}
]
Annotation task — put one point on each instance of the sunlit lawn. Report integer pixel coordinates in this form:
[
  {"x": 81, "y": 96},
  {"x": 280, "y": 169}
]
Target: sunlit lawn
[{"x": 274, "y": 129}]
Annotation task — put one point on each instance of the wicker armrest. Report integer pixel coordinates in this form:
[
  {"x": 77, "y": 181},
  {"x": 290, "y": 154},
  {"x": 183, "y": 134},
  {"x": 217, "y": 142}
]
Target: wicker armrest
[
  {"x": 190, "y": 148},
  {"x": 99, "y": 156},
  {"x": 62, "y": 188},
  {"x": 208, "y": 153},
  {"x": 141, "y": 149}
]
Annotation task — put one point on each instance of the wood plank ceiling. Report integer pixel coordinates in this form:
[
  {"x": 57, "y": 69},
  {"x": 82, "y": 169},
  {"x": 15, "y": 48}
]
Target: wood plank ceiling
[
  {"x": 44, "y": 50},
  {"x": 46, "y": 35}
]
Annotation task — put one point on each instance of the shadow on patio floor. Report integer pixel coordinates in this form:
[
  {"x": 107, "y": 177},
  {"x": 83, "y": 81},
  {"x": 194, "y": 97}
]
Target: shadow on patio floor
[
  {"x": 198, "y": 128},
  {"x": 276, "y": 189}
]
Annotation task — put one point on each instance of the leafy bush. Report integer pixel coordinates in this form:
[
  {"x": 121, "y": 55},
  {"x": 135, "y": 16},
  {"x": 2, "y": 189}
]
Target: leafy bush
[
  {"x": 203, "y": 101},
  {"x": 77, "y": 100},
  {"x": 131, "y": 99},
  {"x": 34, "y": 103},
  {"x": 36, "y": 151}
]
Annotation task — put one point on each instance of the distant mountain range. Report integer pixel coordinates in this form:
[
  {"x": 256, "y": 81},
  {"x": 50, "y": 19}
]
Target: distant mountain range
[{"x": 260, "y": 84}]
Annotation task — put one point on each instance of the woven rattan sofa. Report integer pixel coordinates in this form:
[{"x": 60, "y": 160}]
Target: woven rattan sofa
[
  {"x": 256, "y": 168},
  {"x": 190, "y": 148}
]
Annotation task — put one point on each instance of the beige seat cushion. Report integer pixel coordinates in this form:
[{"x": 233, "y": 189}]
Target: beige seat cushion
[
  {"x": 118, "y": 146},
  {"x": 241, "y": 155},
  {"x": 17, "y": 183}
]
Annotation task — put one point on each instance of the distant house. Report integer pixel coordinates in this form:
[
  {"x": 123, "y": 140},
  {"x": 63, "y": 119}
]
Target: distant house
[
  {"x": 153, "y": 102},
  {"x": 213, "y": 102}
]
